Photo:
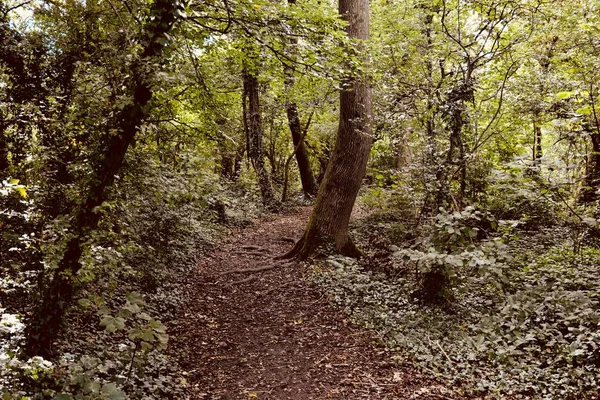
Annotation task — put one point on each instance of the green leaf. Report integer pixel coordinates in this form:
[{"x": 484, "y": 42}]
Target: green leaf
[
  {"x": 564, "y": 95},
  {"x": 148, "y": 336},
  {"x": 136, "y": 299},
  {"x": 62, "y": 396},
  {"x": 85, "y": 303},
  {"x": 21, "y": 190},
  {"x": 112, "y": 392},
  {"x": 586, "y": 110},
  {"x": 111, "y": 323}
]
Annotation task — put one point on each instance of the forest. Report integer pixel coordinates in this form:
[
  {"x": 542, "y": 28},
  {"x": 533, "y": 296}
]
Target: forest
[{"x": 299, "y": 199}]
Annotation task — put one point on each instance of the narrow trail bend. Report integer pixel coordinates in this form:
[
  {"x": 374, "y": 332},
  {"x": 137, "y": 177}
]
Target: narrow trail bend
[{"x": 270, "y": 335}]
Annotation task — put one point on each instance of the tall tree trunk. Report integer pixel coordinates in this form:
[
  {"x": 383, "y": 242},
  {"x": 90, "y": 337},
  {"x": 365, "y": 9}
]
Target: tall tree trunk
[
  {"x": 47, "y": 320},
  {"x": 337, "y": 193},
  {"x": 309, "y": 184},
  {"x": 537, "y": 111},
  {"x": 592, "y": 177},
  {"x": 254, "y": 134},
  {"x": 455, "y": 158}
]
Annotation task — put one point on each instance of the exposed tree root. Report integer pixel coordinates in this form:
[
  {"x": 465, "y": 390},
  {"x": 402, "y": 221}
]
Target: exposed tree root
[
  {"x": 259, "y": 269},
  {"x": 304, "y": 249},
  {"x": 245, "y": 280},
  {"x": 294, "y": 251},
  {"x": 252, "y": 253},
  {"x": 254, "y": 248}
]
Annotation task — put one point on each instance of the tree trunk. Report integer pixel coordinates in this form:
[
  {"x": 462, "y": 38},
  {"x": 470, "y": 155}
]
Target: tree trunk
[
  {"x": 329, "y": 221},
  {"x": 309, "y": 184},
  {"x": 3, "y": 151},
  {"x": 455, "y": 163},
  {"x": 47, "y": 320},
  {"x": 254, "y": 134},
  {"x": 592, "y": 177},
  {"x": 538, "y": 143},
  {"x": 286, "y": 167}
]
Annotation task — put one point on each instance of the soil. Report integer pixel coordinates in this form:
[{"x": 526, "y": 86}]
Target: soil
[{"x": 271, "y": 335}]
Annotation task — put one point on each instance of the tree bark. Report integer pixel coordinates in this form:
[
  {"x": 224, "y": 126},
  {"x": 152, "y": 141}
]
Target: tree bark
[
  {"x": 307, "y": 177},
  {"x": 537, "y": 138},
  {"x": 329, "y": 221},
  {"x": 3, "y": 151},
  {"x": 592, "y": 177},
  {"x": 309, "y": 184},
  {"x": 254, "y": 134},
  {"x": 47, "y": 319},
  {"x": 286, "y": 167}
]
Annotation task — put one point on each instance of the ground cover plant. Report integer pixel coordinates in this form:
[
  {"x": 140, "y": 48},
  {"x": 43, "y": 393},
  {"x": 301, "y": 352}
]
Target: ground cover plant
[{"x": 516, "y": 312}]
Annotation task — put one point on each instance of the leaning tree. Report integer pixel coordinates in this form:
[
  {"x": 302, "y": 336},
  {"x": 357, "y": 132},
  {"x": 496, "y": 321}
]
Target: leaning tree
[{"x": 328, "y": 223}]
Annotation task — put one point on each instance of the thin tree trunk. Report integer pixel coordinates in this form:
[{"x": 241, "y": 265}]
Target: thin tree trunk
[
  {"x": 3, "y": 151},
  {"x": 47, "y": 320},
  {"x": 337, "y": 194},
  {"x": 309, "y": 184},
  {"x": 592, "y": 178},
  {"x": 537, "y": 138},
  {"x": 286, "y": 168},
  {"x": 537, "y": 112},
  {"x": 237, "y": 162},
  {"x": 255, "y": 137},
  {"x": 307, "y": 177},
  {"x": 455, "y": 158}
]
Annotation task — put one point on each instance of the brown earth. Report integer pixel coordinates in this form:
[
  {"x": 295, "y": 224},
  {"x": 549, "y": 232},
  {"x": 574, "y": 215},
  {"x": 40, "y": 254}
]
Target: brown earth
[{"x": 271, "y": 335}]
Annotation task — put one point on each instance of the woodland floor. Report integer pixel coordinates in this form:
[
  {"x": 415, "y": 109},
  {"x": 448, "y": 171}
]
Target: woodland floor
[{"x": 271, "y": 335}]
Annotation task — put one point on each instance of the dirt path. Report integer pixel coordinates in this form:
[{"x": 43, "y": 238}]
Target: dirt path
[{"x": 274, "y": 336}]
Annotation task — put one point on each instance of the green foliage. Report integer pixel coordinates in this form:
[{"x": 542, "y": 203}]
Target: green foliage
[
  {"x": 453, "y": 250},
  {"x": 540, "y": 338}
]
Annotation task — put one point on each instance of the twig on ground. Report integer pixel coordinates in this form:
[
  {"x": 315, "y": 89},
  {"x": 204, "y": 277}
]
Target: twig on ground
[{"x": 440, "y": 347}]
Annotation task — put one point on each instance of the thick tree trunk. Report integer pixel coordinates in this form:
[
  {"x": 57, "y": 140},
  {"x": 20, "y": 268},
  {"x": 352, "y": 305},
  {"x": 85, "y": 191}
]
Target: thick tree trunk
[
  {"x": 329, "y": 221},
  {"x": 47, "y": 319},
  {"x": 254, "y": 136}
]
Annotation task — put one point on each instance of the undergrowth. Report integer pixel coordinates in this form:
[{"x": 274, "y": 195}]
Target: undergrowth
[{"x": 530, "y": 332}]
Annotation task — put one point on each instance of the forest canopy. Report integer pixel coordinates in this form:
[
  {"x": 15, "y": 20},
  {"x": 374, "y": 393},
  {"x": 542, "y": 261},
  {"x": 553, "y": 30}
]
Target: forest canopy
[{"x": 449, "y": 149}]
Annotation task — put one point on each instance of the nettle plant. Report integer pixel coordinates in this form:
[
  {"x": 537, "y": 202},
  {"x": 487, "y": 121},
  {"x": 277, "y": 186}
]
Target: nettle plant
[{"x": 454, "y": 252}]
